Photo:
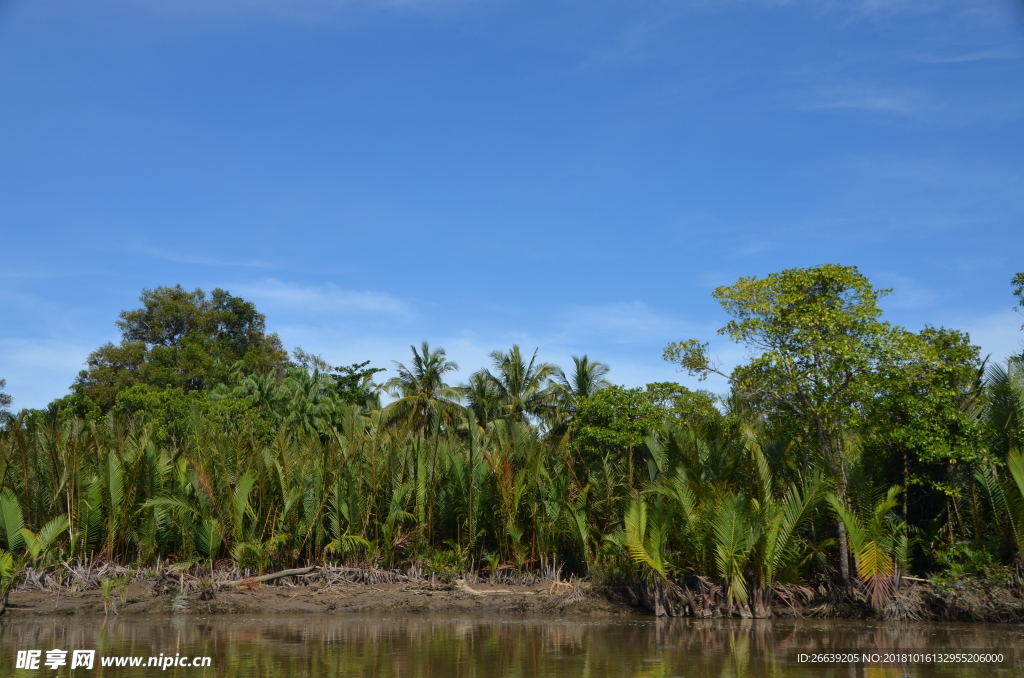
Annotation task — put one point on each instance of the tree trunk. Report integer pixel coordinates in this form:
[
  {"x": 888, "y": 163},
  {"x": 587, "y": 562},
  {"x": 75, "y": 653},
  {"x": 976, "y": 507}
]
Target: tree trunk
[
  {"x": 844, "y": 542},
  {"x": 844, "y": 553}
]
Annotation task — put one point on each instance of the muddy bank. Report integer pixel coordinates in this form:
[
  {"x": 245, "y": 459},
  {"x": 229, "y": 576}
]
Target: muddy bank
[
  {"x": 321, "y": 597},
  {"x": 118, "y": 591}
]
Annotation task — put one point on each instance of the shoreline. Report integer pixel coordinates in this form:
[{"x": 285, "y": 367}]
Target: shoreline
[
  {"x": 341, "y": 590},
  {"x": 145, "y": 598}
]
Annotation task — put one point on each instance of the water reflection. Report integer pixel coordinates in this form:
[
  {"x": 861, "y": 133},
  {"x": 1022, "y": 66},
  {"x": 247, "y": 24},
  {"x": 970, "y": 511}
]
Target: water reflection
[{"x": 430, "y": 646}]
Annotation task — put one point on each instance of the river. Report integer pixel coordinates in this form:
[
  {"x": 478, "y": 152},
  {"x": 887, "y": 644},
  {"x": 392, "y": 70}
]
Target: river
[{"x": 422, "y": 646}]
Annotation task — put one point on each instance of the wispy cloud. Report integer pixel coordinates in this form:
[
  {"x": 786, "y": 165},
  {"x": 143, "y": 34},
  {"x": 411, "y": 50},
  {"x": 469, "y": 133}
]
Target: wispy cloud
[
  {"x": 297, "y": 10},
  {"x": 998, "y": 334},
  {"x": 908, "y": 293},
  {"x": 985, "y": 55},
  {"x": 869, "y": 99},
  {"x": 38, "y": 370},
  {"x": 628, "y": 322},
  {"x": 328, "y": 297},
  {"x": 200, "y": 260}
]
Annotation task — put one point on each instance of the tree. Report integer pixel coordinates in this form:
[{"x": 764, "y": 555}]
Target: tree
[
  {"x": 482, "y": 398},
  {"x": 183, "y": 340},
  {"x": 522, "y": 388},
  {"x": 1018, "y": 291},
  {"x": 925, "y": 422},
  {"x": 1018, "y": 288},
  {"x": 5, "y": 402},
  {"x": 820, "y": 352},
  {"x": 692, "y": 407},
  {"x": 614, "y": 421},
  {"x": 569, "y": 390},
  {"x": 353, "y": 384},
  {"x": 586, "y": 379},
  {"x": 423, "y": 397}
]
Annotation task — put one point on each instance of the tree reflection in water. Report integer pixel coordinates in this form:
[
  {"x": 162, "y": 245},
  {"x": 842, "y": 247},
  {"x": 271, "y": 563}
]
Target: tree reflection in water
[{"x": 436, "y": 647}]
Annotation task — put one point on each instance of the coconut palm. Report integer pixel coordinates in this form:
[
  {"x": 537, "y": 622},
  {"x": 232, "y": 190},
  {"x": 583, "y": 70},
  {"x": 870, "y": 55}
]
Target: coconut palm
[
  {"x": 523, "y": 388},
  {"x": 569, "y": 390},
  {"x": 1005, "y": 407},
  {"x": 423, "y": 397},
  {"x": 586, "y": 379},
  {"x": 482, "y": 398}
]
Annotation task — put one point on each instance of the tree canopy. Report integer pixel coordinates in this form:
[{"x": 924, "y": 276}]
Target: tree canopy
[
  {"x": 843, "y": 441},
  {"x": 5, "y": 401},
  {"x": 183, "y": 340}
]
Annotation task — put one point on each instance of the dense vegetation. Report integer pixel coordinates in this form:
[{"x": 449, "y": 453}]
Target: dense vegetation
[{"x": 849, "y": 452}]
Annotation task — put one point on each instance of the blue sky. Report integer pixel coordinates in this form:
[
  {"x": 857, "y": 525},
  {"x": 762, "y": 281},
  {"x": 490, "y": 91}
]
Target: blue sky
[{"x": 574, "y": 176}]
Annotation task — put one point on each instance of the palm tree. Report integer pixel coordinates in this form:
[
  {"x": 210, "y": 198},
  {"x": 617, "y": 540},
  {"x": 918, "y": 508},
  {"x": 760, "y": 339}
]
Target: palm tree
[
  {"x": 482, "y": 398},
  {"x": 424, "y": 399},
  {"x": 1005, "y": 411},
  {"x": 587, "y": 378},
  {"x": 522, "y": 388},
  {"x": 876, "y": 535}
]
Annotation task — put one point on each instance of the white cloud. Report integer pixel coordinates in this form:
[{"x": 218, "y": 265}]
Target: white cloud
[
  {"x": 630, "y": 322},
  {"x": 322, "y": 298},
  {"x": 295, "y": 10},
  {"x": 39, "y": 370},
  {"x": 984, "y": 55},
  {"x": 201, "y": 260},
  {"x": 856, "y": 97},
  {"x": 998, "y": 334},
  {"x": 907, "y": 293}
]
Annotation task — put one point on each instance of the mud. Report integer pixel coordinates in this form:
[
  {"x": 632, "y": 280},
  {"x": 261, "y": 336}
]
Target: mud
[{"x": 147, "y": 598}]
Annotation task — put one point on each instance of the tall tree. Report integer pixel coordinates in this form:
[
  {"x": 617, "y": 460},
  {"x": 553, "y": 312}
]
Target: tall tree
[
  {"x": 693, "y": 407},
  {"x": 5, "y": 402},
  {"x": 184, "y": 340},
  {"x": 571, "y": 390},
  {"x": 1018, "y": 291},
  {"x": 422, "y": 396},
  {"x": 482, "y": 398},
  {"x": 820, "y": 349},
  {"x": 522, "y": 388},
  {"x": 586, "y": 379}
]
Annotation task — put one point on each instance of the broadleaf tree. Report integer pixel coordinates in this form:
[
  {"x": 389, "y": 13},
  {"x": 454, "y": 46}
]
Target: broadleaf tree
[
  {"x": 183, "y": 340},
  {"x": 820, "y": 351}
]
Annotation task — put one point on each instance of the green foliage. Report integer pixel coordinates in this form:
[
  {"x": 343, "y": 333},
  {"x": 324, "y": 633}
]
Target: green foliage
[
  {"x": 10, "y": 569},
  {"x": 692, "y": 407},
  {"x": 195, "y": 440},
  {"x": 5, "y": 403},
  {"x": 1018, "y": 290},
  {"x": 12, "y": 521},
  {"x": 615, "y": 420},
  {"x": 821, "y": 356},
  {"x": 37, "y": 545},
  {"x": 424, "y": 400},
  {"x": 1006, "y": 494},
  {"x": 354, "y": 384},
  {"x": 820, "y": 349},
  {"x": 516, "y": 389},
  {"x": 930, "y": 403},
  {"x": 168, "y": 410},
  {"x": 1004, "y": 414},
  {"x": 181, "y": 340},
  {"x": 876, "y": 536}
]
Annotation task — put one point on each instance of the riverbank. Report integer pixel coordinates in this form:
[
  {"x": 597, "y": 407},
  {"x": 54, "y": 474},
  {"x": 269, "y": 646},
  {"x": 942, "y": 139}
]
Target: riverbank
[
  {"x": 317, "y": 591},
  {"x": 338, "y": 590}
]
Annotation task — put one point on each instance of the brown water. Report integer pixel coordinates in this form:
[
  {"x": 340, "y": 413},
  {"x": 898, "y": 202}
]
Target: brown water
[{"x": 476, "y": 647}]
